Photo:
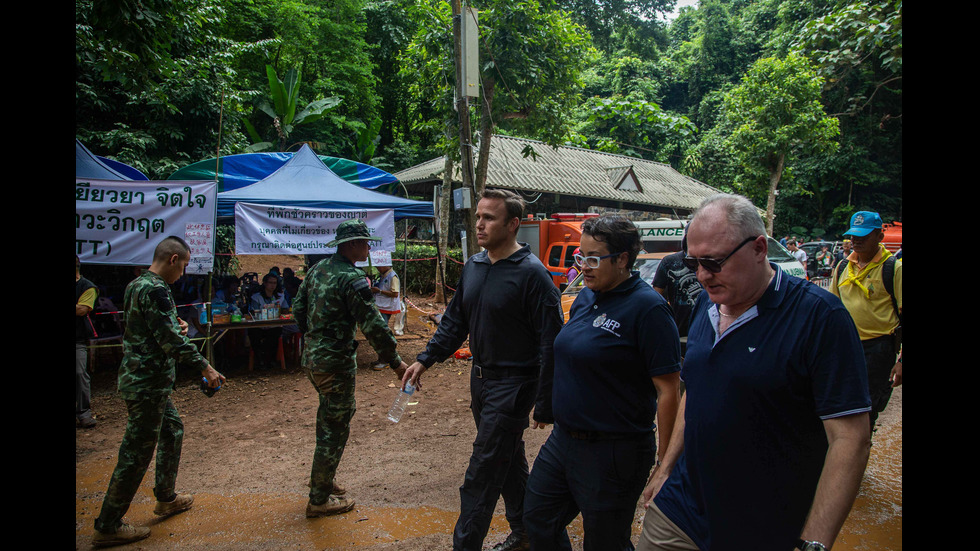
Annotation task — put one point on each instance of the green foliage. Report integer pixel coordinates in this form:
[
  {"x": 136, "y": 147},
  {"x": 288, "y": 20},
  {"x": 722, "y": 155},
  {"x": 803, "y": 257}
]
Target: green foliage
[
  {"x": 776, "y": 112},
  {"x": 858, "y": 50},
  {"x": 225, "y": 261},
  {"x": 282, "y": 110},
  {"x": 531, "y": 64},
  {"x": 418, "y": 273},
  {"x": 533, "y": 60},
  {"x": 859, "y": 34},
  {"x": 612, "y": 21},
  {"x": 153, "y": 79},
  {"x": 636, "y": 128},
  {"x": 804, "y": 234},
  {"x": 773, "y": 118},
  {"x": 367, "y": 142},
  {"x": 428, "y": 67}
]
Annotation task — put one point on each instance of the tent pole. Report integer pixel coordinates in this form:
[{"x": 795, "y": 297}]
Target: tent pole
[
  {"x": 209, "y": 346},
  {"x": 405, "y": 263}
]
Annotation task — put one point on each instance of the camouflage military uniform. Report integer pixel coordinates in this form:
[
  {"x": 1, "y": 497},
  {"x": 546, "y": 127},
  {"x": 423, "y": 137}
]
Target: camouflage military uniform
[
  {"x": 152, "y": 348},
  {"x": 332, "y": 301}
]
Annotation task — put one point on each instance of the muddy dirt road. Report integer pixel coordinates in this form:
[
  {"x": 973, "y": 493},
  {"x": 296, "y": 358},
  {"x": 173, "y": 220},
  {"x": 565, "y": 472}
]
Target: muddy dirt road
[{"x": 247, "y": 452}]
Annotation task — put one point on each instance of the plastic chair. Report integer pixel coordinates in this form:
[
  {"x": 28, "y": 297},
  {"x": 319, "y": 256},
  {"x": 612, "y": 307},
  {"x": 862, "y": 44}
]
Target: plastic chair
[
  {"x": 293, "y": 342},
  {"x": 280, "y": 356}
]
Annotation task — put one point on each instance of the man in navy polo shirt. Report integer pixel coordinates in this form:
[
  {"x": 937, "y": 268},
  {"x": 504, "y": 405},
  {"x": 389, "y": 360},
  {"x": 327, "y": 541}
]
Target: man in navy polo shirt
[{"x": 772, "y": 437}]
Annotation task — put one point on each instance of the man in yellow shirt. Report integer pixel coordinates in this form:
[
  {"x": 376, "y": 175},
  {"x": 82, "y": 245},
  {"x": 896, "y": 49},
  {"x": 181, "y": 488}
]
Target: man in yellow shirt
[
  {"x": 86, "y": 294},
  {"x": 869, "y": 283}
]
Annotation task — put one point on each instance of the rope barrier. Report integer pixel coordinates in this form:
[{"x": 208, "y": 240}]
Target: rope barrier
[
  {"x": 398, "y": 260},
  {"x": 413, "y": 305},
  {"x": 97, "y": 346}
]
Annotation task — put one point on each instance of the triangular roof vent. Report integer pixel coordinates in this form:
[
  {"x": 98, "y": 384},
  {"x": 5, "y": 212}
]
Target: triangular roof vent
[{"x": 623, "y": 178}]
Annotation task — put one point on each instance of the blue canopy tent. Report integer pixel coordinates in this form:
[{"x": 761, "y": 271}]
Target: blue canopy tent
[
  {"x": 305, "y": 181},
  {"x": 236, "y": 171},
  {"x": 124, "y": 169},
  {"x": 89, "y": 165}
]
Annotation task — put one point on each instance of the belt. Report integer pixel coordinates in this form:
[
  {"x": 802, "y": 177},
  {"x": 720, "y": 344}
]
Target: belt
[
  {"x": 593, "y": 436},
  {"x": 877, "y": 340},
  {"x": 486, "y": 372}
]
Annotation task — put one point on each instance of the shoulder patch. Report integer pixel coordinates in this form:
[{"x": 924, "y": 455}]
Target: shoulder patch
[
  {"x": 161, "y": 298},
  {"x": 360, "y": 286}
]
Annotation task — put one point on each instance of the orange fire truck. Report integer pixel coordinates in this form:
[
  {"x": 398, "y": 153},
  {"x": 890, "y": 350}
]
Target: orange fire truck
[
  {"x": 554, "y": 240},
  {"x": 893, "y": 236}
]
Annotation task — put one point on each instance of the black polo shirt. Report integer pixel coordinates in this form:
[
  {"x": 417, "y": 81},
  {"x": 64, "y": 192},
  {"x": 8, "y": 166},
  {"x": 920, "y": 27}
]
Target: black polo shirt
[
  {"x": 614, "y": 343},
  {"x": 511, "y": 312}
]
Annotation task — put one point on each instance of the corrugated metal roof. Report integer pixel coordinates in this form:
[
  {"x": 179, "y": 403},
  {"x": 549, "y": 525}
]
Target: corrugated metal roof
[{"x": 576, "y": 171}]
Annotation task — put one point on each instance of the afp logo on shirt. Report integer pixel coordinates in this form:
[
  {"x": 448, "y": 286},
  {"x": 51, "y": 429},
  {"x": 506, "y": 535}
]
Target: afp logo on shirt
[{"x": 607, "y": 324}]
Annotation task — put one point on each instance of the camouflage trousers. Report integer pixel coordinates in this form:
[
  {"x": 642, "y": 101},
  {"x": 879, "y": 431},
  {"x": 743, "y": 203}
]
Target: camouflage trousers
[
  {"x": 333, "y": 416},
  {"x": 153, "y": 423}
]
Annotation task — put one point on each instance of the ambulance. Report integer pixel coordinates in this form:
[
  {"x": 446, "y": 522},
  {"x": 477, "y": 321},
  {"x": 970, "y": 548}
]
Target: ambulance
[{"x": 661, "y": 236}]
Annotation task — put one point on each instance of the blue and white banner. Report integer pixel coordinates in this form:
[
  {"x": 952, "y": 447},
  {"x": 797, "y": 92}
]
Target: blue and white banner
[
  {"x": 121, "y": 222},
  {"x": 271, "y": 229}
]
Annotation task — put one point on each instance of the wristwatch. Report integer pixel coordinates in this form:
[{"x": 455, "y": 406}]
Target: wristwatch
[{"x": 810, "y": 546}]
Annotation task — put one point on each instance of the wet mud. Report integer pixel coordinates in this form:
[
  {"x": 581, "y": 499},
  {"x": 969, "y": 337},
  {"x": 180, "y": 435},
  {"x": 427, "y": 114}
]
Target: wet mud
[{"x": 247, "y": 453}]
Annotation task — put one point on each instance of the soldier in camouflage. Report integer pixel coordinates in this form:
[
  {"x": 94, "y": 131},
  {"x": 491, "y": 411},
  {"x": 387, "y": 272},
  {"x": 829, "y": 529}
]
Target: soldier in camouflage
[
  {"x": 333, "y": 300},
  {"x": 154, "y": 343}
]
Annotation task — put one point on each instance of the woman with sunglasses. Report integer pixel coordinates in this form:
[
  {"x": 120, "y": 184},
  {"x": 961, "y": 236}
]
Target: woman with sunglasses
[{"x": 616, "y": 371}]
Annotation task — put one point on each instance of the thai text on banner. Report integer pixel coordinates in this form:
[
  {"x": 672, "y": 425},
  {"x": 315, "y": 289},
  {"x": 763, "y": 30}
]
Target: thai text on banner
[
  {"x": 121, "y": 222},
  {"x": 270, "y": 229}
]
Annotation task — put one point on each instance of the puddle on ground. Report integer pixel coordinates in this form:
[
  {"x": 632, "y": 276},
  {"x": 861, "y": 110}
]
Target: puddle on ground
[
  {"x": 875, "y": 522},
  {"x": 275, "y": 521},
  {"x": 257, "y": 521}
]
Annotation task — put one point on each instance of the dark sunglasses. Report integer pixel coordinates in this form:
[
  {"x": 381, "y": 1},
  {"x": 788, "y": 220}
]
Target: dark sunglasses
[{"x": 711, "y": 264}]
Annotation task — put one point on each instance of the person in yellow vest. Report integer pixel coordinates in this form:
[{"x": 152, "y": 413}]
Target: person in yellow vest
[{"x": 869, "y": 283}]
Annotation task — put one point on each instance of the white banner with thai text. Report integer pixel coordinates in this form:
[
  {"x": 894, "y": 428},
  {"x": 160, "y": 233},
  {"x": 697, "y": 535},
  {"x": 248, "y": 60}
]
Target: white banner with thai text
[
  {"x": 270, "y": 229},
  {"x": 121, "y": 222},
  {"x": 200, "y": 238}
]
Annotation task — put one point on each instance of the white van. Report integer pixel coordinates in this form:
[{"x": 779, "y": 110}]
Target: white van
[
  {"x": 781, "y": 257},
  {"x": 666, "y": 236}
]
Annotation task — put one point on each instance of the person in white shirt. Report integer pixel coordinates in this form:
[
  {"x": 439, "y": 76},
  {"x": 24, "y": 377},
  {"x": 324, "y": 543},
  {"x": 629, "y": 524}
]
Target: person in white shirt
[
  {"x": 387, "y": 295},
  {"x": 796, "y": 251}
]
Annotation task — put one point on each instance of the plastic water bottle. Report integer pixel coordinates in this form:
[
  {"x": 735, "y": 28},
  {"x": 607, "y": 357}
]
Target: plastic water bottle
[{"x": 398, "y": 408}]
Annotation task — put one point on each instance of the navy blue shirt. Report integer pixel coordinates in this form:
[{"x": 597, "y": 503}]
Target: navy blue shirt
[
  {"x": 754, "y": 440},
  {"x": 607, "y": 353},
  {"x": 511, "y": 311}
]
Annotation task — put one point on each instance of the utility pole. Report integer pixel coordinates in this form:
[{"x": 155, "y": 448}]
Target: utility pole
[{"x": 465, "y": 133}]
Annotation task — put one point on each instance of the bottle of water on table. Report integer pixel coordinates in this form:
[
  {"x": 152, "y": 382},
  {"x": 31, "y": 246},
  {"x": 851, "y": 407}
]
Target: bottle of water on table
[{"x": 398, "y": 408}]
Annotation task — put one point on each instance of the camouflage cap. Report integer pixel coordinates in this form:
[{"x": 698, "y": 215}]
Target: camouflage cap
[{"x": 349, "y": 230}]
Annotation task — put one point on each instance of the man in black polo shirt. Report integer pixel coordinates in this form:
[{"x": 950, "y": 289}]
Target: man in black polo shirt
[{"x": 507, "y": 304}]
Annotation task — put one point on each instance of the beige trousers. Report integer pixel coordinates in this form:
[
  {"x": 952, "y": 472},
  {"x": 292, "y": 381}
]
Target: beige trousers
[{"x": 661, "y": 534}]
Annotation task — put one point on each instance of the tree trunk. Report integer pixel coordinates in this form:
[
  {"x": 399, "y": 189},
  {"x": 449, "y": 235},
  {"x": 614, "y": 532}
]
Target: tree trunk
[
  {"x": 443, "y": 244},
  {"x": 774, "y": 175}
]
